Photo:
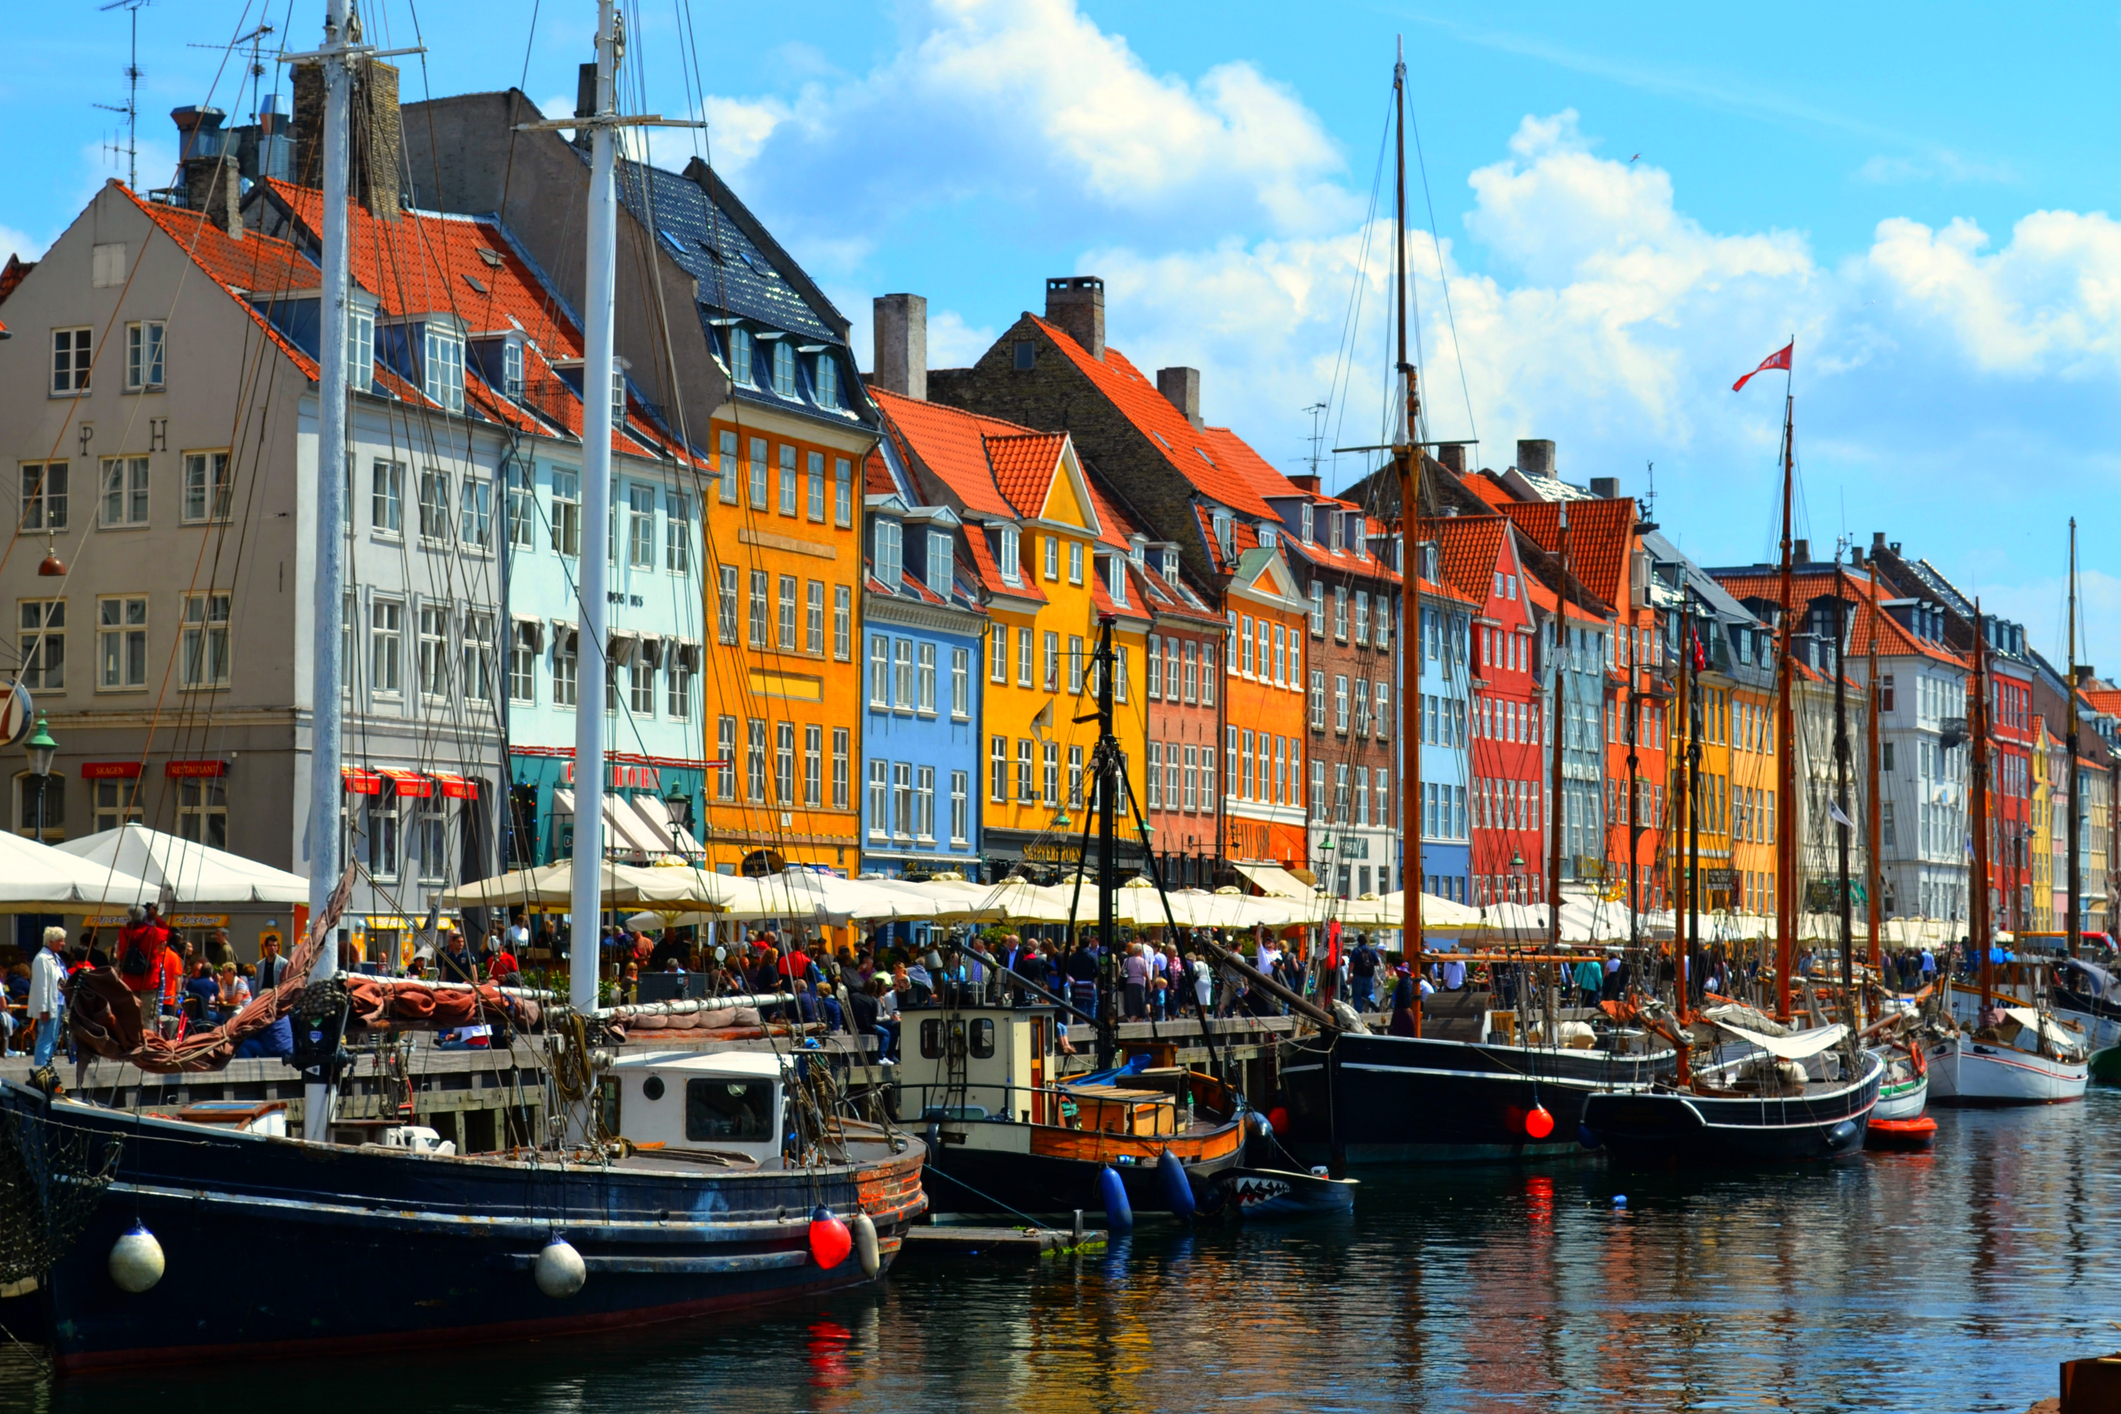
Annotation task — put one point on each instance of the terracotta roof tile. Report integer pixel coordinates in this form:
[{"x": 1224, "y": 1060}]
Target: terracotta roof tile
[
  {"x": 1468, "y": 549},
  {"x": 256, "y": 263},
  {"x": 1601, "y": 531},
  {"x": 1488, "y": 489},
  {"x": 1114, "y": 526},
  {"x": 1198, "y": 455},
  {"x": 1024, "y": 464},
  {"x": 1893, "y": 637},
  {"x": 952, "y": 446}
]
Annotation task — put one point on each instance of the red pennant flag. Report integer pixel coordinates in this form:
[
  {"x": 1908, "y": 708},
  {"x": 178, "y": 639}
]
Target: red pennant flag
[
  {"x": 1773, "y": 360},
  {"x": 1701, "y": 658}
]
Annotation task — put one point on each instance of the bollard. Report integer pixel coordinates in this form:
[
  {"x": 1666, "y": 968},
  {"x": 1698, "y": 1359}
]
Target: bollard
[{"x": 1078, "y": 1229}]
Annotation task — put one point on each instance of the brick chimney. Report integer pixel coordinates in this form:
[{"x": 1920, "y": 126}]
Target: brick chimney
[
  {"x": 1075, "y": 304},
  {"x": 1535, "y": 457},
  {"x": 900, "y": 333},
  {"x": 1801, "y": 552},
  {"x": 1181, "y": 388},
  {"x": 377, "y": 149},
  {"x": 1457, "y": 456},
  {"x": 1606, "y": 488}
]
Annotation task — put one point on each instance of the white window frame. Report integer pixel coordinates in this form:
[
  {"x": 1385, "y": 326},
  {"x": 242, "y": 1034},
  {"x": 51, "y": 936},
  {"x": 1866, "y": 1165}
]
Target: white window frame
[
  {"x": 125, "y": 485},
  {"x": 145, "y": 350},
  {"x": 122, "y": 622},
  {"x": 206, "y": 651}
]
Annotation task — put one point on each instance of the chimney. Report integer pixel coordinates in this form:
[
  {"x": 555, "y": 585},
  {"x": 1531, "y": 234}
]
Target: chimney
[
  {"x": 1535, "y": 457},
  {"x": 1802, "y": 554},
  {"x": 1877, "y": 542},
  {"x": 376, "y": 158},
  {"x": 1075, "y": 304},
  {"x": 1456, "y": 456},
  {"x": 1856, "y": 556},
  {"x": 585, "y": 101},
  {"x": 900, "y": 333},
  {"x": 1606, "y": 488},
  {"x": 1181, "y": 388}
]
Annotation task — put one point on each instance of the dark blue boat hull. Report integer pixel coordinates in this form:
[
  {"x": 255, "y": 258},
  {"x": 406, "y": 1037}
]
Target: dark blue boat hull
[
  {"x": 1678, "y": 1129},
  {"x": 285, "y": 1247}
]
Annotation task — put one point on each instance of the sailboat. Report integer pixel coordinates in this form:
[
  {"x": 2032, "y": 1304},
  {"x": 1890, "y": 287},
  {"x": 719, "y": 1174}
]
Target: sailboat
[
  {"x": 2016, "y": 1052},
  {"x": 213, "y": 1234},
  {"x": 1763, "y": 1093},
  {"x": 1476, "y": 1086}
]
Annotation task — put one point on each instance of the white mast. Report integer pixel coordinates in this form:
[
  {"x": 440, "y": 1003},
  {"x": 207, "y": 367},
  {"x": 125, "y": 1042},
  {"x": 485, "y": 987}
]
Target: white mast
[{"x": 596, "y": 515}]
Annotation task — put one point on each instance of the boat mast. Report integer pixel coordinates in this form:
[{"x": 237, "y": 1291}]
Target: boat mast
[
  {"x": 1553, "y": 727},
  {"x": 1110, "y": 782},
  {"x": 327, "y": 602},
  {"x": 1977, "y": 825},
  {"x": 1874, "y": 868},
  {"x": 601, "y": 289},
  {"x": 1408, "y": 454},
  {"x": 1690, "y": 958},
  {"x": 2074, "y": 920},
  {"x": 1841, "y": 799},
  {"x": 1786, "y": 737}
]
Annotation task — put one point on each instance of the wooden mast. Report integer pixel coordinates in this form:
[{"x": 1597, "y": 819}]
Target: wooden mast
[
  {"x": 1977, "y": 807},
  {"x": 1785, "y": 737},
  {"x": 1408, "y": 454},
  {"x": 1874, "y": 869},
  {"x": 1555, "y": 717},
  {"x": 2074, "y": 920}
]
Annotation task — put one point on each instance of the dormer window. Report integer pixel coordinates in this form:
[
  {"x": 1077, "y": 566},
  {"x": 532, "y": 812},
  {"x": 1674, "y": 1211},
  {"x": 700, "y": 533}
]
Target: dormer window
[
  {"x": 740, "y": 356},
  {"x": 512, "y": 370},
  {"x": 1357, "y": 544},
  {"x": 942, "y": 562},
  {"x": 360, "y": 348},
  {"x": 442, "y": 367},
  {"x": 1333, "y": 532},
  {"x": 1304, "y": 523},
  {"x": 1268, "y": 537},
  {"x": 618, "y": 393},
  {"x": 1010, "y": 570},
  {"x": 783, "y": 369},
  {"x": 890, "y": 553},
  {"x": 1116, "y": 579},
  {"x": 1225, "y": 534},
  {"x": 1138, "y": 551},
  {"x": 1170, "y": 570},
  {"x": 826, "y": 379}
]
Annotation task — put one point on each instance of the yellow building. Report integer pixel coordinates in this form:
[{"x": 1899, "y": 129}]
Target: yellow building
[
  {"x": 1052, "y": 558},
  {"x": 2041, "y": 846}
]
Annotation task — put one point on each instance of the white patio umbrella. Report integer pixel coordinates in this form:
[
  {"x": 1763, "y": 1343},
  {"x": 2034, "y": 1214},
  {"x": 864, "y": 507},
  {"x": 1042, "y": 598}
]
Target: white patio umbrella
[
  {"x": 190, "y": 871},
  {"x": 36, "y": 878}
]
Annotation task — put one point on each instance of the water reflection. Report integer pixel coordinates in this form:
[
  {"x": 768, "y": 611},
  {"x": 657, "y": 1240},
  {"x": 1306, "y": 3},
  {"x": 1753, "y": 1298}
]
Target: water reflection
[{"x": 1945, "y": 1281}]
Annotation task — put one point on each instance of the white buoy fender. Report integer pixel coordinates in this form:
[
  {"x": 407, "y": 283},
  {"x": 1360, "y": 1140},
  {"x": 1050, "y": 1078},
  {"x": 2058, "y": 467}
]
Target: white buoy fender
[
  {"x": 136, "y": 1262},
  {"x": 559, "y": 1269},
  {"x": 865, "y": 1245}
]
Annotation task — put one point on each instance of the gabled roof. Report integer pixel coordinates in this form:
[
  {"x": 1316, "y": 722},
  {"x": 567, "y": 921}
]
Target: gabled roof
[
  {"x": 1468, "y": 548},
  {"x": 1810, "y": 582},
  {"x": 1210, "y": 459},
  {"x": 1024, "y": 464},
  {"x": 952, "y": 446},
  {"x": 257, "y": 264},
  {"x": 718, "y": 242},
  {"x": 1601, "y": 531}
]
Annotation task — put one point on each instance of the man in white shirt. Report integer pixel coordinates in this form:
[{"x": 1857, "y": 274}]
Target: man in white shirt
[{"x": 47, "y": 1002}]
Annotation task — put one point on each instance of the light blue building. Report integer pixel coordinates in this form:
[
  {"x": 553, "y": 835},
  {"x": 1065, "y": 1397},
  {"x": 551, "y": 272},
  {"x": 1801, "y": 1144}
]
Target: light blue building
[
  {"x": 1442, "y": 643},
  {"x": 922, "y": 626}
]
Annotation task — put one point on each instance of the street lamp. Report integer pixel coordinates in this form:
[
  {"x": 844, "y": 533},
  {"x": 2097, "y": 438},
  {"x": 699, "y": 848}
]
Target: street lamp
[{"x": 41, "y": 749}]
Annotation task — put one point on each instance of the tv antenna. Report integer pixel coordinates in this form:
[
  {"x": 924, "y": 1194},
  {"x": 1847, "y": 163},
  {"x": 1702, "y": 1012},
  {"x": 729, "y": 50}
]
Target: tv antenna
[
  {"x": 1318, "y": 432},
  {"x": 131, "y": 110},
  {"x": 256, "y": 40}
]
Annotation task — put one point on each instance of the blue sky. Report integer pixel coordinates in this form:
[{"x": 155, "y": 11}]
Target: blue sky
[{"x": 1633, "y": 204}]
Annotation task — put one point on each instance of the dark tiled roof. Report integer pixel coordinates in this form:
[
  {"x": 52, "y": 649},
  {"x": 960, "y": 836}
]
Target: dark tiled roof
[{"x": 736, "y": 273}]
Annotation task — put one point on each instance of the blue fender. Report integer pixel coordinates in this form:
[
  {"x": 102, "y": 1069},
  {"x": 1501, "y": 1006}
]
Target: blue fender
[
  {"x": 1119, "y": 1213},
  {"x": 1178, "y": 1189}
]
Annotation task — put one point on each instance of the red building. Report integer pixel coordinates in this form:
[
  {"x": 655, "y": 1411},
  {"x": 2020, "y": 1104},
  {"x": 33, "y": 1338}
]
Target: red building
[{"x": 2011, "y": 789}]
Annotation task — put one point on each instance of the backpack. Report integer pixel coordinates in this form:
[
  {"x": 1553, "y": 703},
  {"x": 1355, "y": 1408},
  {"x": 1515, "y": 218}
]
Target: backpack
[{"x": 133, "y": 960}]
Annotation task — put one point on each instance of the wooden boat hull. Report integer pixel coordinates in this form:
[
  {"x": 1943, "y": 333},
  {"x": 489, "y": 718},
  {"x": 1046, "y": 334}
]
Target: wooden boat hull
[
  {"x": 1254, "y": 1194},
  {"x": 1964, "y": 1071},
  {"x": 1394, "y": 1099},
  {"x": 1004, "y": 1166},
  {"x": 1681, "y": 1129},
  {"x": 283, "y": 1247}
]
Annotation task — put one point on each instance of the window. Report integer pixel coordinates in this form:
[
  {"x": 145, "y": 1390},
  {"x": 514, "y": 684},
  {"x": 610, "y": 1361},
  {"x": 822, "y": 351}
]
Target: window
[
  {"x": 998, "y": 767},
  {"x": 430, "y": 836},
  {"x": 825, "y": 381},
  {"x": 567, "y": 512},
  {"x": 1281, "y": 657},
  {"x": 1318, "y": 606},
  {"x": 725, "y": 754},
  {"x": 1075, "y": 562},
  {"x": 998, "y": 653},
  {"x": 1075, "y": 665},
  {"x": 725, "y": 603},
  {"x": 1011, "y": 571},
  {"x": 70, "y": 362},
  {"x": 1024, "y": 355},
  {"x": 814, "y": 617},
  {"x": 784, "y": 764},
  {"x": 115, "y": 803},
  {"x": 783, "y": 369},
  {"x": 475, "y": 511},
  {"x": 522, "y": 662},
  {"x": 1116, "y": 577},
  {"x": 1340, "y": 613},
  {"x": 757, "y": 471},
  {"x": 1051, "y": 677},
  {"x": 1885, "y": 692},
  {"x": 143, "y": 355},
  {"x": 121, "y": 643},
  {"x": 927, "y": 679},
  {"x": 1318, "y": 700},
  {"x": 640, "y": 683},
  {"x": 842, "y": 491},
  {"x": 640, "y": 526},
  {"x": 380, "y": 831},
  {"x": 512, "y": 369},
  {"x": 842, "y": 622},
  {"x": 1192, "y": 666},
  {"x": 942, "y": 562},
  {"x": 1050, "y": 776},
  {"x": 202, "y": 815},
  {"x": 1156, "y": 775},
  {"x": 678, "y": 673},
  {"x": 443, "y": 369},
  {"x": 1362, "y": 710},
  {"x": 960, "y": 807},
  {"x": 205, "y": 649},
  {"x": 902, "y": 682},
  {"x": 1119, "y": 684},
  {"x": 206, "y": 486},
  {"x": 890, "y": 554},
  {"x": 784, "y": 638},
  {"x": 1052, "y": 553},
  {"x": 566, "y": 667},
  {"x": 755, "y": 760},
  {"x": 1075, "y": 777},
  {"x": 1207, "y": 675},
  {"x": 1318, "y": 789},
  {"x": 43, "y": 644},
  {"x": 727, "y": 468},
  {"x": 879, "y": 795},
  {"x": 1023, "y": 657},
  {"x": 1384, "y": 713},
  {"x": 434, "y": 650},
  {"x": 816, "y": 498},
  {"x": 1155, "y": 686},
  {"x": 813, "y": 765},
  {"x": 386, "y": 646},
  {"x": 124, "y": 491},
  {"x": 1026, "y": 785},
  {"x": 360, "y": 348},
  {"x": 1362, "y": 616},
  {"x": 960, "y": 684},
  {"x": 1245, "y": 766},
  {"x": 741, "y": 365},
  {"x": 879, "y": 671},
  {"x": 1340, "y": 702},
  {"x": 840, "y": 738},
  {"x": 791, "y": 490},
  {"x": 1244, "y": 645},
  {"x": 1886, "y": 830},
  {"x": 44, "y": 496},
  {"x": 434, "y": 506},
  {"x": 757, "y": 617},
  {"x": 677, "y": 532}
]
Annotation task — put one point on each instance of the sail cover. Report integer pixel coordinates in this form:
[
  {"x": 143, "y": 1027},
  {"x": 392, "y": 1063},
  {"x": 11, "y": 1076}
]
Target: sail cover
[{"x": 1797, "y": 1047}]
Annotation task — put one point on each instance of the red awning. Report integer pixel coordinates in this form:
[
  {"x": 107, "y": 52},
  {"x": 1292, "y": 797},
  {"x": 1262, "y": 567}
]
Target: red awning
[
  {"x": 409, "y": 783},
  {"x": 454, "y": 786},
  {"x": 359, "y": 782},
  {"x": 110, "y": 770}
]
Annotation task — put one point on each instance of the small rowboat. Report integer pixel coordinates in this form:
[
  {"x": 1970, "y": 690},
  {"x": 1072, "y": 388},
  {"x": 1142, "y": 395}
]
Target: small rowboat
[
  {"x": 1277, "y": 1193},
  {"x": 1917, "y": 1133}
]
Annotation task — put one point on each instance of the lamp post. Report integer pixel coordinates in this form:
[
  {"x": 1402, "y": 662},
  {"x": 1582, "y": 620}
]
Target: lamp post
[{"x": 41, "y": 748}]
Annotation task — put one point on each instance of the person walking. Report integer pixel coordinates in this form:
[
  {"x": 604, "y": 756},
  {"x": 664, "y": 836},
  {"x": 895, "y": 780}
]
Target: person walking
[{"x": 47, "y": 998}]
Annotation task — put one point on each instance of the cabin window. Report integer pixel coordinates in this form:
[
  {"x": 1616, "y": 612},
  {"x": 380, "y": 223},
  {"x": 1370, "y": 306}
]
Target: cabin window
[
  {"x": 728, "y": 1109},
  {"x": 932, "y": 1031},
  {"x": 983, "y": 1038}
]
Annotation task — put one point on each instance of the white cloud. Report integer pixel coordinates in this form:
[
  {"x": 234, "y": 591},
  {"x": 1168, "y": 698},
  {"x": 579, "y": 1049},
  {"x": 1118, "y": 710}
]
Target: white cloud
[{"x": 14, "y": 242}]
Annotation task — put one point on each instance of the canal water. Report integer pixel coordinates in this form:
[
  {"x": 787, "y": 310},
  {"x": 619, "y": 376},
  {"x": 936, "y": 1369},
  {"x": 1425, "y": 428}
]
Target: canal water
[{"x": 1950, "y": 1281}]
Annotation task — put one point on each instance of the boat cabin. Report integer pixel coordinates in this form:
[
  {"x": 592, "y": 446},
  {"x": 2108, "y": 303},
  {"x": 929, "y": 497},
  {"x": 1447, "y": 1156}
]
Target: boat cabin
[
  {"x": 724, "y": 1102},
  {"x": 978, "y": 1063}
]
